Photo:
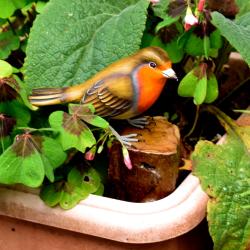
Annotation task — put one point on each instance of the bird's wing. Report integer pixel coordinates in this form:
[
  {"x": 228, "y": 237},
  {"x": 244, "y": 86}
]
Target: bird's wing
[{"x": 111, "y": 96}]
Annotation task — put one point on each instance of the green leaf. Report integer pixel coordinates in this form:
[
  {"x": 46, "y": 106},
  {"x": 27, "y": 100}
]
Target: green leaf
[
  {"x": 244, "y": 7},
  {"x": 79, "y": 184},
  {"x": 6, "y": 69},
  {"x": 71, "y": 41},
  {"x": 5, "y": 142},
  {"x": 16, "y": 110},
  {"x": 8, "y": 42},
  {"x": 175, "y": 53},
  {"x": 236, "y": 32},
  {"x": 86, "y": 113},
  {"x": 40, "y": 6},
  {"x": 7, "y": 7},
  {"x": 51, "y": 194},
  {"x": 161, "y": 8},
  {"x": 74, "y": 133},
  {"x": 168, "y": 20},
  {"x": 29, "y": 159},
  {"x": 212, "y": 89},
  {"x": 100, "y": 190},
  {"x": 200, "y": 91},
  {"x": 188, "y": 84},
  {"x": 194, "y": 45},
  {"x": 53, "y": 156},
  {"x": 215, "y": 39},
  {"x": 28, "y": 171},
  {"x": 225, "y": 176},
  {"x": 23, "y": 93},
  {"x": 7, "y": 124}
]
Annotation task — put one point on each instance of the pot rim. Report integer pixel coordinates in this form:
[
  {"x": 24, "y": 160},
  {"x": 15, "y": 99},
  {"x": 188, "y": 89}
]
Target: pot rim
[{"x": 113, "y": 219}]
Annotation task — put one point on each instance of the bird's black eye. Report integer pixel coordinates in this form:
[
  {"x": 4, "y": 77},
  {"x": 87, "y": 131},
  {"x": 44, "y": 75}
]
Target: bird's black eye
[{"x": 152, "y": 64}]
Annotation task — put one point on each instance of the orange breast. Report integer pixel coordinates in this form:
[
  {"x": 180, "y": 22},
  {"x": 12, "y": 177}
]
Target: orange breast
[{"x": 150, "y": 84}]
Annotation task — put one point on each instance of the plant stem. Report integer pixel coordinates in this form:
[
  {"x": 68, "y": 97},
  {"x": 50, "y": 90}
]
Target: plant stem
[{"x": 195, "y": 122}]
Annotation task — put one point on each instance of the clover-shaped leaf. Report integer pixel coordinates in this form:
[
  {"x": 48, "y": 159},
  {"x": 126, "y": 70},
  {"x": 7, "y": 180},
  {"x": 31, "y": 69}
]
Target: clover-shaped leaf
[
  {"x": 29, "y": 159},
  {"x": 77, "y": 187},
  {"x": 86, "y": 113},
  {"x": 73, "y": 132}
]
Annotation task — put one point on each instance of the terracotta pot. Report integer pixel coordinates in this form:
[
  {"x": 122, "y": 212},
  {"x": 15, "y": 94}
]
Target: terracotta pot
[{"x": 103, "y": 223}]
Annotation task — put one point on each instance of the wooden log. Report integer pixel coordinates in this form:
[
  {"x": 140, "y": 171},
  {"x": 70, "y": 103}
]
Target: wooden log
[{"x": 155, "y": 159}]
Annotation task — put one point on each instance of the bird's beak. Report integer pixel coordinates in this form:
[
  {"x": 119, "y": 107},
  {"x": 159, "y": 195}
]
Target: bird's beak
[{"x": 169, "y": 73}]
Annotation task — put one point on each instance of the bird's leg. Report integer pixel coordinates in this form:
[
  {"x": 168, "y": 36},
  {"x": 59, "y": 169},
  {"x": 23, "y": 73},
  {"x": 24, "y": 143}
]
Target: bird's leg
[
  {"x": 125, "y": 140},
  {"x": 139, "y": 122}
]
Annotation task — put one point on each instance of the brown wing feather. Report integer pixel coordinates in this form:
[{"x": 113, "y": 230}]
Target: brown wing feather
[{"x": 111, "y": 96}]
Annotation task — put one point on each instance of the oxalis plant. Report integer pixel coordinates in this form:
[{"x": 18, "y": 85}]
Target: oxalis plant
[{"x": 68, "y": 43}]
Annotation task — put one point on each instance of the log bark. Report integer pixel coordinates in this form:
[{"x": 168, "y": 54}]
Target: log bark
[{"x": 155, "y": 159}]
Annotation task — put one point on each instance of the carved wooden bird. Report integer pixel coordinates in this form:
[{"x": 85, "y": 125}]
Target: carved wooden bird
[{"x": 122, "y": 90}]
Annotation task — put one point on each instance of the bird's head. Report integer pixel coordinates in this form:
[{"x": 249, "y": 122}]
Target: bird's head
[{"x": 156, "y": 62}]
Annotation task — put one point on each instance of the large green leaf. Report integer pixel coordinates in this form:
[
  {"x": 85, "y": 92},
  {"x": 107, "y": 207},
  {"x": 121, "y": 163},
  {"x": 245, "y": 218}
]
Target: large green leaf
[
  {"x": 236, "y": 32},
  {"x": 225, "y": 176},
  {"x": 72, "y": 40},
  {"x": 244, "y": 7}
]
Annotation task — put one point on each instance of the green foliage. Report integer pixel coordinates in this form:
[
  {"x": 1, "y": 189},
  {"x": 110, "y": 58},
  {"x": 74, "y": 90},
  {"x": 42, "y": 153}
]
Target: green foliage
[
  {"x": 236, "y": 32},
  {"x": 86, "y": 113},
  {"x": 8, "y": 7},
  {"x": 8, "y": 43},
  {"x": 224, "y": 174},
  {"x": 29, "y": 159},
  {"x": 6, "y": 69},
  {"x": 100, "y": 37},
  {"x": 244, "y": 7},
  {"x": 73, "y": 132},
  {"x": 201, "y": 84},
  {"x": 79, "y": 184}
]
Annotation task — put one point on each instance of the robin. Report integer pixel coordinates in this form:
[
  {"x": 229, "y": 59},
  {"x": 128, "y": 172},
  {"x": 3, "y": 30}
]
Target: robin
[{"x": 123, "y": 90}]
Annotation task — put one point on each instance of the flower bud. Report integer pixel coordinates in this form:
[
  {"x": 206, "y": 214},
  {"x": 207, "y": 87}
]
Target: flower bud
[
  {"x": 126, "y": 158},
  {"x": 90, "y": 155},
  {"x": 189, "y": 20}
]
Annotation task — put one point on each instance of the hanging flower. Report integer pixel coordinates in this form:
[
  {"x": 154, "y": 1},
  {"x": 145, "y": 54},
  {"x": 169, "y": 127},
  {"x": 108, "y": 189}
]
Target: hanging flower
[
  {"x": 126, "y": 158},
  {"x": 201, "y": 5},
  {"x": 190, "y": 20},
  {"x": 90, "y": 155}
]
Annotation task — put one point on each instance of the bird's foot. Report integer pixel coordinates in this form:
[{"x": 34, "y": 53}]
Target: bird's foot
[
  {"x": 124, "y": 139},
  {"x": 140, "y": 122},
  {"x": 126, "y": 142}
]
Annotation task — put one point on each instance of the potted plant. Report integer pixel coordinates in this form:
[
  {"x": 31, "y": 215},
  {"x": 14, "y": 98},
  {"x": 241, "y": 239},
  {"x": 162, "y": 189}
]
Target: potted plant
[{"x": 68, "y": 43}]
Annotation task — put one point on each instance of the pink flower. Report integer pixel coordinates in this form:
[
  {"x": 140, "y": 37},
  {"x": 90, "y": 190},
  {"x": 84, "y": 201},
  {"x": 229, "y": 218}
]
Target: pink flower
[
  {"x": 154, "y": 2},
  {"x": 201, "y": 5},
  {"x": 90, "y": 155},
  {"x": 126, "y": 158},
  {"x": 189, "y": 20}
]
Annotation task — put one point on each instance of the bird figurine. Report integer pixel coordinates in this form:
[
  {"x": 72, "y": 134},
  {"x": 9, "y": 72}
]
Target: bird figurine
[{"x": 123, "y": 90}]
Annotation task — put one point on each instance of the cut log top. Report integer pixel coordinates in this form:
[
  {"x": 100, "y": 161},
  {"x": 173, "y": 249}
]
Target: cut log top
[{"x": 159, "y": 137}]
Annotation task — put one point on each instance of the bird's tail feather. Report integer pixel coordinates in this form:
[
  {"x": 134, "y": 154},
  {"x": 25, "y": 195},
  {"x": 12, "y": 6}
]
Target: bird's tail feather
[{"x": 47, "y": 96}]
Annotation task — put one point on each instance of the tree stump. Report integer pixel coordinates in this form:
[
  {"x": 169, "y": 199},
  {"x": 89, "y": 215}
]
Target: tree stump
[{"x": 155, "y": 159}]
